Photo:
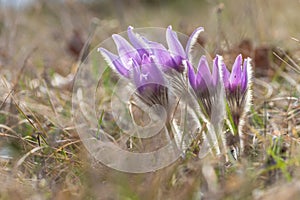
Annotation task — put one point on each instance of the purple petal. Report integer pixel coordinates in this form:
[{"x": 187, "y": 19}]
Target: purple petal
[
  {"x": 174, "y": 45},
  {"x": 148, "y": 75},
  {"x": 165, "y": 60},
  {"x": 203, "y": 78},
  {"x": 137, "y": 42},
  {"x": 136, "y": 73},
  {"x": 162, "y": 55},
  {"x": 226, "y": 75},
  {"x": 236, "y": 73},
  {"x": 114, "y": 62},
  {"x": 192, "y": 40},
  {"x": 177, "y": 60},
  {"x": 244, "y": 81},
  {"x": 216, "y": 70},
  {"x": 153, "y": 46},
  {"x": 191, "y": 73},
  {"x": 126, "y": 51},
  {"x": 146, "y": 59},
  {"x": 155, "y": 74}
]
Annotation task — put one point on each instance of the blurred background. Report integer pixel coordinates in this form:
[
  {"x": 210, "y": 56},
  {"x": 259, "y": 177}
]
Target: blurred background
[
  {"x": 59, "y": 28},
  {"x": 40, "y": 44}
]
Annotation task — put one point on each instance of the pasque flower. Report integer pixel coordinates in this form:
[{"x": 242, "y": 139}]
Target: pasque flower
[
  {"x": 144, "y": 61},
  {"x": 204, "y": 83},
  {"x": 237, "y": 87},
  {"x": 140, "y": 64},
  {"x": 144, "y": 48},
  {"x": 212, "y": 90},
  {"x": 238, "y": 95},
  {"x": 208, "y": 91}
]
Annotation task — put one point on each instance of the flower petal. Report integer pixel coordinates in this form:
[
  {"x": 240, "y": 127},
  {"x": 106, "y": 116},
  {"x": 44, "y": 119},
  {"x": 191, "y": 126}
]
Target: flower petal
[
  {"x": 136, "y": 73},
  {"x": 174, "y": 45},
  {"x": 203, "y": 79},
  {"x": 147, "y": 75},
  {"x": 192, "y": 40},
  {"x": 191, "y": 73},
  {"x": 236, "y": 73},
  {"x": 162, "y": 55},
  {"x": 114, "y": 62},
  {"x": 151, "y": 68},
  {"x": 146, "y": 60},
  {"x": 245, "y": 75},
  {"x": 216, "y": 71},
  {"x": 137, "y": 42},
  {"x": 125, "y": 50},
  {"x": 154, "y": 45},
  {"x": 226, "y": 75}
]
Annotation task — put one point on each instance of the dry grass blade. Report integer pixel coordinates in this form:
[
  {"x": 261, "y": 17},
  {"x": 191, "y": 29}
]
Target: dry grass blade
[
  {"x": 3, "y": 103},
  {"x": 264, "y": 84},
  {"x": 47, "y": 158},
  {"x": 68, "y": 144},
  {"x": 40, "y": 127},
  {"x": 290, "y": 62},
  {"x": 21, "y": 160},
  {"x": 8, "y": 129},
  {"x": 295, "y": 39},
  {"x": 9, "y": 135}
]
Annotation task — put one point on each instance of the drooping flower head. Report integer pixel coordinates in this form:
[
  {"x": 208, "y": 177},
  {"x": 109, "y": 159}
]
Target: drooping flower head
[{"x": 238, "y": 88}]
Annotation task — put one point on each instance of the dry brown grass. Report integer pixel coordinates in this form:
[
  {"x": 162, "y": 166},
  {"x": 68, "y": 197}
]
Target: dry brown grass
[{"x": 43, "y": 156}]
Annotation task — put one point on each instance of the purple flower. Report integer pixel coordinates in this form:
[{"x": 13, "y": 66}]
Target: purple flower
[
  {"x": 143, "y": 47},
  {"x": 204, "y": 83},
  {"x": 238, "y": 79},
  {"x": 143, "y": 61},
  {"x": 204, "y": 79},
  {"x": 149, "y": 82},
  {"x": 208, "y": 91},
  {"x": 237, "y": 88},
  {"x": 166, "y": 59}
]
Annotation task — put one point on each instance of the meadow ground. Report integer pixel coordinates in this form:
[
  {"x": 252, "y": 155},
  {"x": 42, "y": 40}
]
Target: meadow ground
[{"x": 41, "y": 154}]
